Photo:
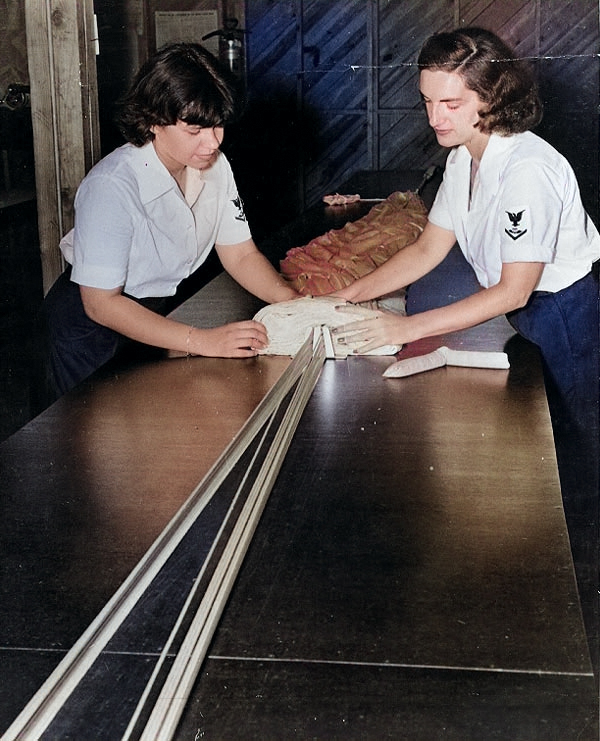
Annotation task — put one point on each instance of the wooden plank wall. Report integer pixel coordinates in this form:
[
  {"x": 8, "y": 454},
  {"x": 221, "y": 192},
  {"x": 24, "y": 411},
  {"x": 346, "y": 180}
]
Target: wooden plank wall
[
  {"x": 62, "y": 70},
  {"x": 13, "y": 45},
  {"x": 17, "y": 182},
  {"x": 332, "y": 88}
]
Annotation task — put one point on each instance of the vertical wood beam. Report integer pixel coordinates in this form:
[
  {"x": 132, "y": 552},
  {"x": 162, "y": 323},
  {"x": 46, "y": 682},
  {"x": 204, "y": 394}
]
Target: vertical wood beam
[
  {"x": 64, "y": 109},
  {"x": 299, "y": 12},
  {"x": 373, "y": 57}
]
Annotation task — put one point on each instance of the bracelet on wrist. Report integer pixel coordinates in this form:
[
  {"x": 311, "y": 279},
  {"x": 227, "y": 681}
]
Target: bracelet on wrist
[{"x": 187, "y": 342}]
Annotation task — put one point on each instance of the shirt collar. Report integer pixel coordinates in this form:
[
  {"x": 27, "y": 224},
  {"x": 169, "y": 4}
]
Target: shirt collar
[
  {"x": 497, "y": 147},
  {"x": 153, "y": 177},
  {"x": 155, "y": 180},
  {"x": 493, "y": 162}
]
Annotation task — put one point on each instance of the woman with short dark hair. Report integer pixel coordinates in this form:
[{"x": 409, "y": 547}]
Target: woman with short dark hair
[
  {"x": 147, "y": 216},
  {"x": 182, "y": 82}
]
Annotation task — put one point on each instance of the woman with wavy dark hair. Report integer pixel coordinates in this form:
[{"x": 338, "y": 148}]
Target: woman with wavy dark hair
[
  {"x": 147, "y": 216},
  {"x": 504, "y": 84},
  {"x": 512, "y": 203}
]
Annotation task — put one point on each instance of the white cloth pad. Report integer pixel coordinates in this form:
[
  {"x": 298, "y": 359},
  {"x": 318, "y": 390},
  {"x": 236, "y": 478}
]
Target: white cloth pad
[{"x": 289, "y": 323}]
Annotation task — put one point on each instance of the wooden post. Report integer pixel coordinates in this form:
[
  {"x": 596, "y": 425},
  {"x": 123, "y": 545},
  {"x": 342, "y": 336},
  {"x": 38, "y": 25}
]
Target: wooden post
[{"x": 61, "y": 47}]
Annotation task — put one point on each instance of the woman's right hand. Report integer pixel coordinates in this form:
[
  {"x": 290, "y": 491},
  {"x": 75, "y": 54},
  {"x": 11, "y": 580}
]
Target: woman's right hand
[{"x": 236, "y": 340}]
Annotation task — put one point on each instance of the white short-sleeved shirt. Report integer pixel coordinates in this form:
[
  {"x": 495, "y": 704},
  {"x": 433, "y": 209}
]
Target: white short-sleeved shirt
[
  {"x": 525, "y": 207},
  {"x": 134, "y": 228}
]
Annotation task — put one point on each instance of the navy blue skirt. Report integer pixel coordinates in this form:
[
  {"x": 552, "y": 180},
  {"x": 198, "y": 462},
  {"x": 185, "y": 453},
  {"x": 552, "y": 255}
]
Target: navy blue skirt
[{"x": 75, "y": 345}]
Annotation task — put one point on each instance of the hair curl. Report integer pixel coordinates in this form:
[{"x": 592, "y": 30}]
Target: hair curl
[
  {"x": 182, "y": 81},
  {"x": 504, "y": 83}
]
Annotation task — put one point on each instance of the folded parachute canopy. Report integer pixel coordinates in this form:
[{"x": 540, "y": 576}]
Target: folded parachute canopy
[{"x": 340, "y": 256}]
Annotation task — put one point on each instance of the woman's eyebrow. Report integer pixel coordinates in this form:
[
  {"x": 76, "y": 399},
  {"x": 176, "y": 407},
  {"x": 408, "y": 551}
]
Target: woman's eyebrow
[{"x": 442, "y": 100}]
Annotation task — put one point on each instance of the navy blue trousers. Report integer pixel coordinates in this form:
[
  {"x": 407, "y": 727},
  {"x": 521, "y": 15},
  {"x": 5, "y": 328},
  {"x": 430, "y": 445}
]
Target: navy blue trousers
[
  {"x": 73, "y": 344},
  {"x": 565, "y": 328}
]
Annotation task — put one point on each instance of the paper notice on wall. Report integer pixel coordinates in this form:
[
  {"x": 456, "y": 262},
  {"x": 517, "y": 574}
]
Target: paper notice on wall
[{"x": 189, "y": 25}]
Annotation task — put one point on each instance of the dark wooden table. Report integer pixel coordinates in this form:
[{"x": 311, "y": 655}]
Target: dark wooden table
[{"x": 410, "y": 578}]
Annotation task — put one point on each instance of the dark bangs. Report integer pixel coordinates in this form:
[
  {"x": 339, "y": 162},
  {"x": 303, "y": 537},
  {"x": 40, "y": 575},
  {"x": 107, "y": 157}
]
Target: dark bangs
[
  {"x": 181, "y": 82},
  {"x": 208, "y": 109},
  {"x": 200, "y": 92}
]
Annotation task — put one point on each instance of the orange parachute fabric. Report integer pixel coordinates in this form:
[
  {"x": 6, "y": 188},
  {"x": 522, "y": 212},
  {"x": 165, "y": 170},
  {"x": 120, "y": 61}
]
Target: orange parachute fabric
[{"x": 341, "y": 256}]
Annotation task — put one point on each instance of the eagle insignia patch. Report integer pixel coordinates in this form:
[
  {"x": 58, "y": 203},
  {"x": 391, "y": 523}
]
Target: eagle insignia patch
[
  {"x": 515, "y": 224},
  {"x": 239, "y": 205}
]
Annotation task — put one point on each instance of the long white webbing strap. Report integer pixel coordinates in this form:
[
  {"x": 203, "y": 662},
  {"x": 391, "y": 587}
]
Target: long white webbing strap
[{"x": 175, "y": 692}]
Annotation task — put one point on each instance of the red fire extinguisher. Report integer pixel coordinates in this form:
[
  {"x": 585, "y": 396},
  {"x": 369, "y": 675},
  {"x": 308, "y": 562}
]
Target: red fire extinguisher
[{"x": 231, "y": 46}]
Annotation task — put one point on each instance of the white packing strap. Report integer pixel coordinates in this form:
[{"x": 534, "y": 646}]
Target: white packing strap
[{"x": 444, "y": 356}]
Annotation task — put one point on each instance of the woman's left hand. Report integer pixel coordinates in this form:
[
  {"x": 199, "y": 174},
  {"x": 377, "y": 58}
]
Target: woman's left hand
[
  {"x": 517, "y": 281},
  {"x": 365, "y": 335}
]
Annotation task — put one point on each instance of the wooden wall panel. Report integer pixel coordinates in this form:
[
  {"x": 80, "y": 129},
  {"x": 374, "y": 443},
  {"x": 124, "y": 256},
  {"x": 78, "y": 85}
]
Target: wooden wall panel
[
  {"x": 513, "y": 20},
  {"x": 13, "y": 44},
  {"x": 17, "y": 181},
  {"x": 61, "y": 57},
  {"x": 405, "y": 140},
  {"x": 341, "y": 150},
  {"x": 335, "y": 54},
  {"x": 402, "y": 28},
  {"x": 271, "y": 46},
  {"x": 334, "y": 67},
  {"x": 569, "y": 74}
]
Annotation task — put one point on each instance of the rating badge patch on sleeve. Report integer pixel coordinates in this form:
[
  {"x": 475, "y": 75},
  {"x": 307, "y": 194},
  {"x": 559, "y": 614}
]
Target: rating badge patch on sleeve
[
  {"x": 239, "y": 206},
  {"x": 516, "y": 223}
]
